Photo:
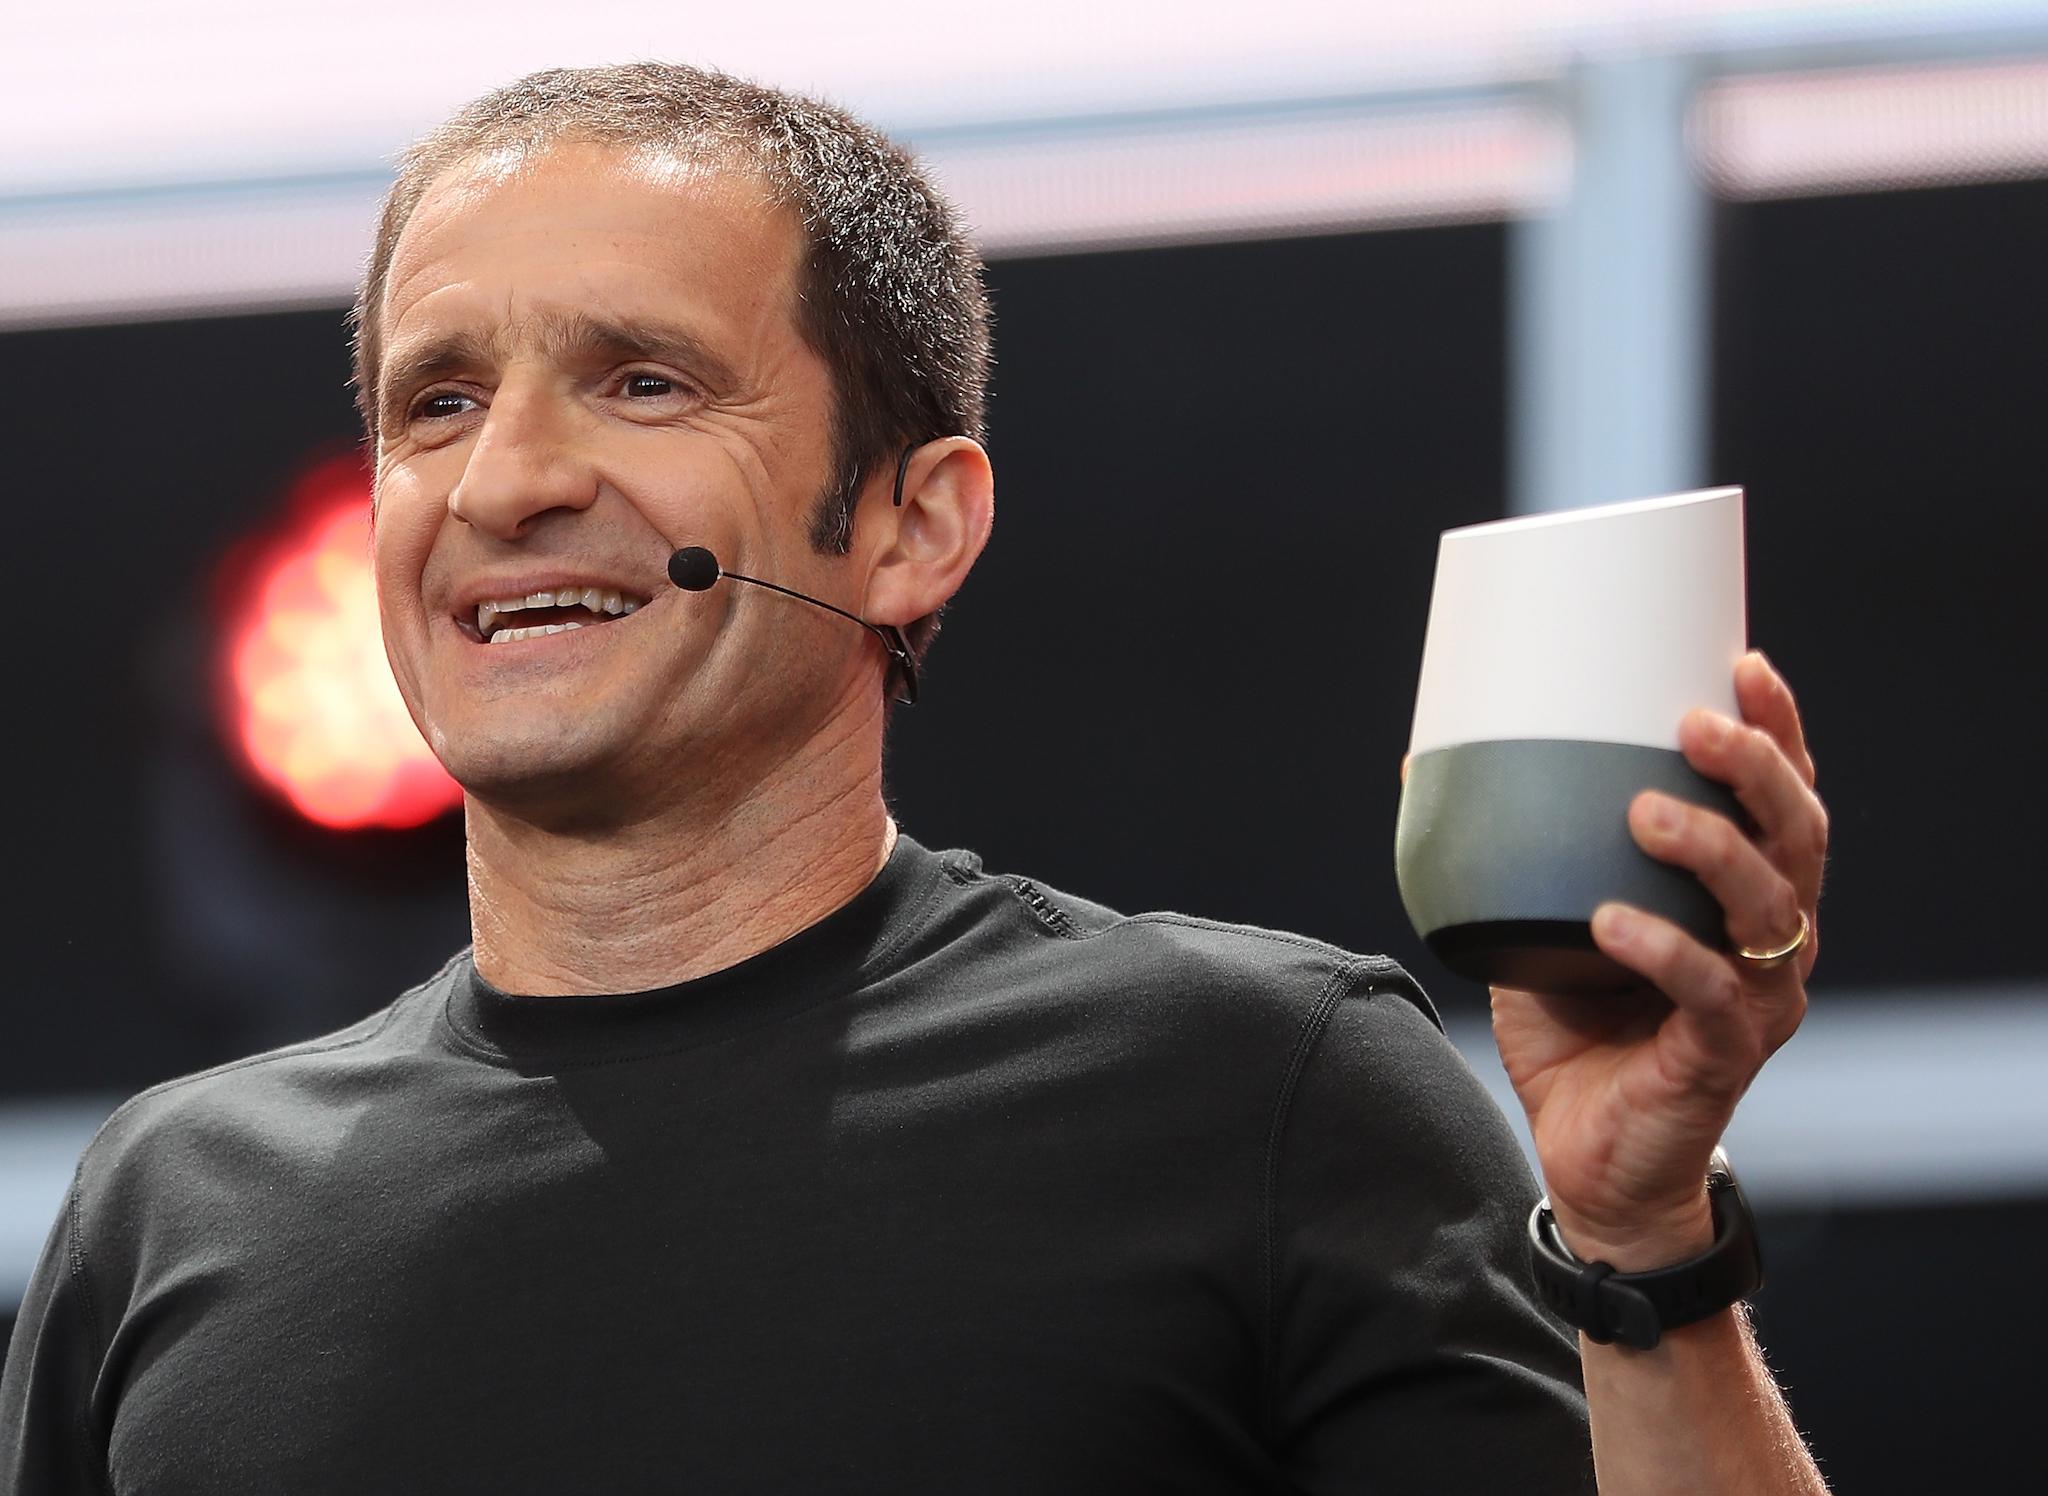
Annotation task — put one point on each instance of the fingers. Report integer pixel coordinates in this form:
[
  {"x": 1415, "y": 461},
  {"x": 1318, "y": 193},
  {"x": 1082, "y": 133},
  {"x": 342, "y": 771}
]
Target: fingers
[
  {"x": 1701, "y": 983},
  {"x": 1789, "y": 816},
  {"x": 1761, "y": 903},
  {"x": 1740, "y": 1017},
  {"x": 1767, "y": 701}
]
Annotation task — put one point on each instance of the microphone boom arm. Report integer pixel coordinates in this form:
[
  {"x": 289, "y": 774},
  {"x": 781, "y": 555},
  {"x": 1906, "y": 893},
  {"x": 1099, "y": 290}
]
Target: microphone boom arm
[{"x": 891, "y": 636}]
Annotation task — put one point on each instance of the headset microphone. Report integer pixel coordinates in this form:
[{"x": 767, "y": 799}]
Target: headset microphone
[{"x": 695, "y": 569}]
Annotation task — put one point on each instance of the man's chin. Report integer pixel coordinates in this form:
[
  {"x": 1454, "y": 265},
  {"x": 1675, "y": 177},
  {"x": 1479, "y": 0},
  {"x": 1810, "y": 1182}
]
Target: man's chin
[{"x": 540, "y": 773}]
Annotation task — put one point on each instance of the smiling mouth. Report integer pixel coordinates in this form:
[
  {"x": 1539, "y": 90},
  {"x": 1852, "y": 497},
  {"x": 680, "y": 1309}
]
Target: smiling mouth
[{"x": 508, "y": 619}]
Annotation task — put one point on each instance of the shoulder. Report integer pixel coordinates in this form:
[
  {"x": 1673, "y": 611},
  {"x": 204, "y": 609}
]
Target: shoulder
[
  {"x": 1185, "y": 965},
  {"x": 1336, "y": 1058},
  {"x": 170, "y": 1130}
]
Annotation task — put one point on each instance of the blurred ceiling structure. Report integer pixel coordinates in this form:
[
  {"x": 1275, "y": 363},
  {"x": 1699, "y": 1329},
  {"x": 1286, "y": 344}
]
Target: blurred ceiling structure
[{"x": 224, "y": 155}]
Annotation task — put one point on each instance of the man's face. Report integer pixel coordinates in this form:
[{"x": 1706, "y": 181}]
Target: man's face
[{"x": 587, "y": 363}]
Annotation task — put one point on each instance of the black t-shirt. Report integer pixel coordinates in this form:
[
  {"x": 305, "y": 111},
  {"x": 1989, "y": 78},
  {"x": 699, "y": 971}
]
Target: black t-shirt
[{"x": 971, "y": 1186}]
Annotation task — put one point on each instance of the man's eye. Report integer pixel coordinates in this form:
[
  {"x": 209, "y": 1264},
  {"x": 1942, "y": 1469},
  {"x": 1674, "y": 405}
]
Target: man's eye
[
  {"x": 649, "y": 386},
  {"x": 440, "y": 406}
]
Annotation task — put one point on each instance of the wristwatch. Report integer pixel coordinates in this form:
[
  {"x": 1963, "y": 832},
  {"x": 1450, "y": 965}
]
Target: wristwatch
[{"x": 1637, "y": 1308}]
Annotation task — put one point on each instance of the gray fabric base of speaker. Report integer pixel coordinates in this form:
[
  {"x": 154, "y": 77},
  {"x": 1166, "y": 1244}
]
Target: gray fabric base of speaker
[{"x": 1505, "y": 849}]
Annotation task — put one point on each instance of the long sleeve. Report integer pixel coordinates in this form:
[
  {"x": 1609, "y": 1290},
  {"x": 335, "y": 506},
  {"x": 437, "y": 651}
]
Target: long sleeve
[
  {"x": 46, "y": 1445},
  {"x": 1409, "y": 1351}
]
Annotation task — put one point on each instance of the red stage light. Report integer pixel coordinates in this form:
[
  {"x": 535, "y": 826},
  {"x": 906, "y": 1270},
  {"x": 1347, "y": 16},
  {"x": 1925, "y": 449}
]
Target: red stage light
[{"x": 310, "y": 702}]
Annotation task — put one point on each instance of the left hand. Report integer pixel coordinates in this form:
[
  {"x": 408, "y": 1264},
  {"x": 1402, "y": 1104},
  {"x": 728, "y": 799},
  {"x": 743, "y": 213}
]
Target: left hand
[{"x": 1628, "y": 1095}]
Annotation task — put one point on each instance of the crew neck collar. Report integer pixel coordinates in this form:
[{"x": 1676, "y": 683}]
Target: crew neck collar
[{"x": 823, "y": 960}]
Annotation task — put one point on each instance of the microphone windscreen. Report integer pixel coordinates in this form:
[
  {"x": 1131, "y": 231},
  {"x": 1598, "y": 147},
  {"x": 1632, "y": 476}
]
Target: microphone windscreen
[{"x": 693, "y": 568}]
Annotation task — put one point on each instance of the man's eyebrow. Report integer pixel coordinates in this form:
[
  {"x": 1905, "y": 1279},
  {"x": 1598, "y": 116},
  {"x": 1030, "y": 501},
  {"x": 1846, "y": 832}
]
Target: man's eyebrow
[
  {"x": 591, "y": 338},
  {"x": 410, "y": 365},
  {"x": 581, "y": 337}
]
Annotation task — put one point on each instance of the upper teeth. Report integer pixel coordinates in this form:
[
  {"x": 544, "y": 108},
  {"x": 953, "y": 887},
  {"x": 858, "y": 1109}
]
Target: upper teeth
[{"x": 597, "y": 599}]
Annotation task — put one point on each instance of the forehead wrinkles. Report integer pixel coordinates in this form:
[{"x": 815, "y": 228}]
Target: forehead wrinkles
[
  {"x": 675, "y": 179},
  {"x": 675, "y": 183}
]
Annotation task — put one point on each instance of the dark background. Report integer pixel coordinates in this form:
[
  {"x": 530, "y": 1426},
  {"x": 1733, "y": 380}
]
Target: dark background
[{"x": 1182, "y": 675}]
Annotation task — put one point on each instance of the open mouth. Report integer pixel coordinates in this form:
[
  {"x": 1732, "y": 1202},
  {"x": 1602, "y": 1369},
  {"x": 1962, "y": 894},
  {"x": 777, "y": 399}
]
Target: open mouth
[{"x": 507, "y": 619}]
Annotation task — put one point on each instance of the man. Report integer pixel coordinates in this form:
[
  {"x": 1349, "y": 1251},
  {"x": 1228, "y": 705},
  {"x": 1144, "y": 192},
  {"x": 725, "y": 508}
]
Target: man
[{"x": 755, "y": 1147}]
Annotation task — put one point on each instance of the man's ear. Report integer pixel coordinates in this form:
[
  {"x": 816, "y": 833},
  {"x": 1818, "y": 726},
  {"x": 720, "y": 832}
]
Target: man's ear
[{"x": 923, "y": 550}]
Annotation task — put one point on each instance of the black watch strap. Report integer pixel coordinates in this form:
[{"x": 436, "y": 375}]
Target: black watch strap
[{"x": 1637, "y": 1308}]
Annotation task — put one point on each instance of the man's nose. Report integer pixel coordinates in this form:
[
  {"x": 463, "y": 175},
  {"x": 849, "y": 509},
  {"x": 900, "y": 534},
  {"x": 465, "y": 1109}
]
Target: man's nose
[{"x": 523, "y": 464}]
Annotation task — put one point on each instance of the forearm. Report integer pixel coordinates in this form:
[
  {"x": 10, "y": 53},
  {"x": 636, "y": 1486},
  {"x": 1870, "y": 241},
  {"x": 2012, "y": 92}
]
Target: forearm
[{"x": 1699, "y": 1414}]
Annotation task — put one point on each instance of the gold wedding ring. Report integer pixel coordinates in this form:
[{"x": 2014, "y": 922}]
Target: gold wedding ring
[{"x": 1766, "y": 960}]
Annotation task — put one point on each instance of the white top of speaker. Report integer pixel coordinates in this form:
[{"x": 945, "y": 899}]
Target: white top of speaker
[{"x": 1604, "y": 624}]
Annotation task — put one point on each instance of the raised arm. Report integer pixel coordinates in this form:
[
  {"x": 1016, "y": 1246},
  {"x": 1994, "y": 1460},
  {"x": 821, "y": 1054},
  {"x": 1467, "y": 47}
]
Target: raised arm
[{"x": 1627, "y": 1098}]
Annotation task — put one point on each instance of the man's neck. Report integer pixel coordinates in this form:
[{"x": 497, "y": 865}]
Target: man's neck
[{"x": 679, "y": 895}]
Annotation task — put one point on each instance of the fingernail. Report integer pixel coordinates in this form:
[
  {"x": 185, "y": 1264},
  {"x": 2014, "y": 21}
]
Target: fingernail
[
  {"x": 1614, "y": 923},
  {"x": 1717, "y": 730}
]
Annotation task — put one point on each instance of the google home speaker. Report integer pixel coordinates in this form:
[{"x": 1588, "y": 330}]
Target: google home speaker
[{"x": 1562, "y": 651}]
